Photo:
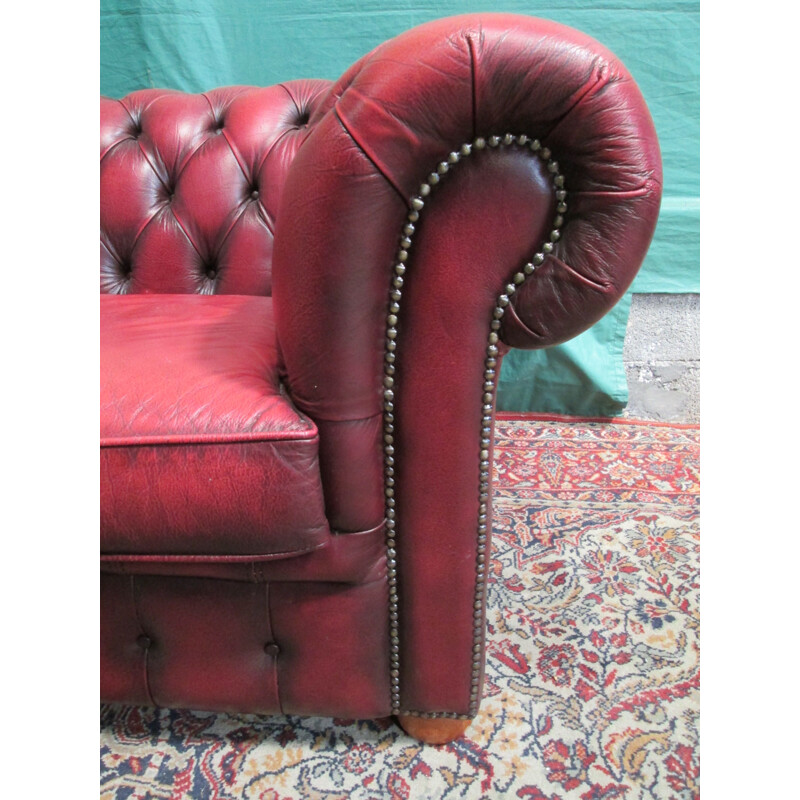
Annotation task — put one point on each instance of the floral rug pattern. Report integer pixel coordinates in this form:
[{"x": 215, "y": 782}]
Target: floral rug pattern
[{"x": 592, "y": 679}]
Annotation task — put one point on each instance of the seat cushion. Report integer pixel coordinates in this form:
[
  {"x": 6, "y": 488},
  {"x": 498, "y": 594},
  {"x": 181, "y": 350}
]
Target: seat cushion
[{"x": 203, "y": 455}]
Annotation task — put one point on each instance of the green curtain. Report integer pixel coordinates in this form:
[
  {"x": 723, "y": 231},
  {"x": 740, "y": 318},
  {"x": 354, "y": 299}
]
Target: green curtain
[{"x": 195, "y": 45}]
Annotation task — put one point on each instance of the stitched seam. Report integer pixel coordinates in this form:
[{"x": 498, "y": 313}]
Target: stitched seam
[
  {"x": 357, "y": 419},
  {"x": 207, "y": 559},
  {"x": 209, "y": 440}
]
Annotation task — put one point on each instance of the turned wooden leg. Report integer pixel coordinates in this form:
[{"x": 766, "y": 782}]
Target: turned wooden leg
[{"x": 440, "y": 730}]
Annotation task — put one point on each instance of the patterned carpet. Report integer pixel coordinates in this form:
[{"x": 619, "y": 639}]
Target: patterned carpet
[{"x": 593, "y": 676}]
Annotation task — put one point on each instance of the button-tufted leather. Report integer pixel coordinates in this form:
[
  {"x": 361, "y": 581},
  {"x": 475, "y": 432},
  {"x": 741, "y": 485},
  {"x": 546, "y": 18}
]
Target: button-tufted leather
[
  {"x": 193, "y": 188},
  {"x": 387, "y": 123},
  {"x": 178, "y": 177}
]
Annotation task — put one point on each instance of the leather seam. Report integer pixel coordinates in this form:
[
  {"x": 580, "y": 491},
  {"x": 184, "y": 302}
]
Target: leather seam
[
  {"x": 206, "y": 559},
  {"x": 366, "y": 155},
  {"x": 209, "y": 440},
  {"x": 357, "y": 419}
]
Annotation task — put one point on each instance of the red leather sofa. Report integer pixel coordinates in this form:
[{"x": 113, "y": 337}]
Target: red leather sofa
[{"x": 306, "y": 294}]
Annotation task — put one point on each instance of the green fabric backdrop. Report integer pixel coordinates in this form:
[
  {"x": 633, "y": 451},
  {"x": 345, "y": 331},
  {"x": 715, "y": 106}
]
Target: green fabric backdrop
[{"x": 195, "y": 45}]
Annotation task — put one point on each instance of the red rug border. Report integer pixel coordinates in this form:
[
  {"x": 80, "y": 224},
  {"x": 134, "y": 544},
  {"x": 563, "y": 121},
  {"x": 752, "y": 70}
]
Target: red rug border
[{"x": 510, "y": 416}]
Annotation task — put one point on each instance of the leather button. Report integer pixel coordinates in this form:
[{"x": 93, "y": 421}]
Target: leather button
[
  {"x": 143, "y": 641},
  {"x": 271, "y": 649},
  {"x": 254, "y": 194}
]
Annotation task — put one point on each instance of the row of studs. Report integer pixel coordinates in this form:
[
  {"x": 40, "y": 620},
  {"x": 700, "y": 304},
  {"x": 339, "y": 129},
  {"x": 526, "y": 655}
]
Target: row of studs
[{"x": 490, "y": 377}]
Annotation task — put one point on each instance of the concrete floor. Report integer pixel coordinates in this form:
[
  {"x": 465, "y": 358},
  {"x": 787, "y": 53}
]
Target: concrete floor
[{"x": 662, "y": 358}]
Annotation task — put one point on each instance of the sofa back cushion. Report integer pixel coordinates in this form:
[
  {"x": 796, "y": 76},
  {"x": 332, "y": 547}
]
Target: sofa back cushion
[{"x": 190, "y": 186}]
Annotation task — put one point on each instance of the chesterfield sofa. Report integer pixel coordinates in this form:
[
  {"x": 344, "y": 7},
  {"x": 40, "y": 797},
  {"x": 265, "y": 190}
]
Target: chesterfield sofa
[{"x": 306, "y": 294}]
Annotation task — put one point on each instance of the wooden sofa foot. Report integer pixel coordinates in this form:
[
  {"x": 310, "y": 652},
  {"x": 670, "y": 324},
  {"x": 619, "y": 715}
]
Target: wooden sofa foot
[{"x": 439, "y": 730}]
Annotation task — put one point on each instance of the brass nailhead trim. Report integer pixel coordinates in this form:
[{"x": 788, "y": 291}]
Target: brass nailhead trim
[{"x": 489, "y": 387}]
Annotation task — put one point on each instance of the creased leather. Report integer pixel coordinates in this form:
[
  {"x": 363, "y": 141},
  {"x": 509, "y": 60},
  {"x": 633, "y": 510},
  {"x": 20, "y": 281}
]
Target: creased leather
[
  {"x": 202, "y": 453},
  {"x": 382, "y": 129},
  {"x": 179, "y": 215}
]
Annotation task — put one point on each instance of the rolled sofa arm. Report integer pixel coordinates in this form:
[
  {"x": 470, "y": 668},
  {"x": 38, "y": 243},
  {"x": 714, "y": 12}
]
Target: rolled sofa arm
[{"x": 479, "y": 182}]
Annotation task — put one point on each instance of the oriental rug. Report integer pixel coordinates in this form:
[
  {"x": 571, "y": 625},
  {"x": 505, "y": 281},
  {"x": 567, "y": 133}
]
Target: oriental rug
[{"x": 592, "y": 679}]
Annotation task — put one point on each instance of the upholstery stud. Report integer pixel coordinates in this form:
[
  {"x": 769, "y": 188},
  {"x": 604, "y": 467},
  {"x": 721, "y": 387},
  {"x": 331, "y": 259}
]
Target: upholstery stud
[{"x": 490, "y": 374}]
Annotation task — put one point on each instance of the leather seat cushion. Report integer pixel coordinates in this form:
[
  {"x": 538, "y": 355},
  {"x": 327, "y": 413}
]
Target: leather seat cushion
[{"x": 203, "y": 455}]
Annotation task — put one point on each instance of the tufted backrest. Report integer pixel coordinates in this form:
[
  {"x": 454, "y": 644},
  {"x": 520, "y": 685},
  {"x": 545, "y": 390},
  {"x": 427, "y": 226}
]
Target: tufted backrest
[{"x": 190, "y": 185}]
